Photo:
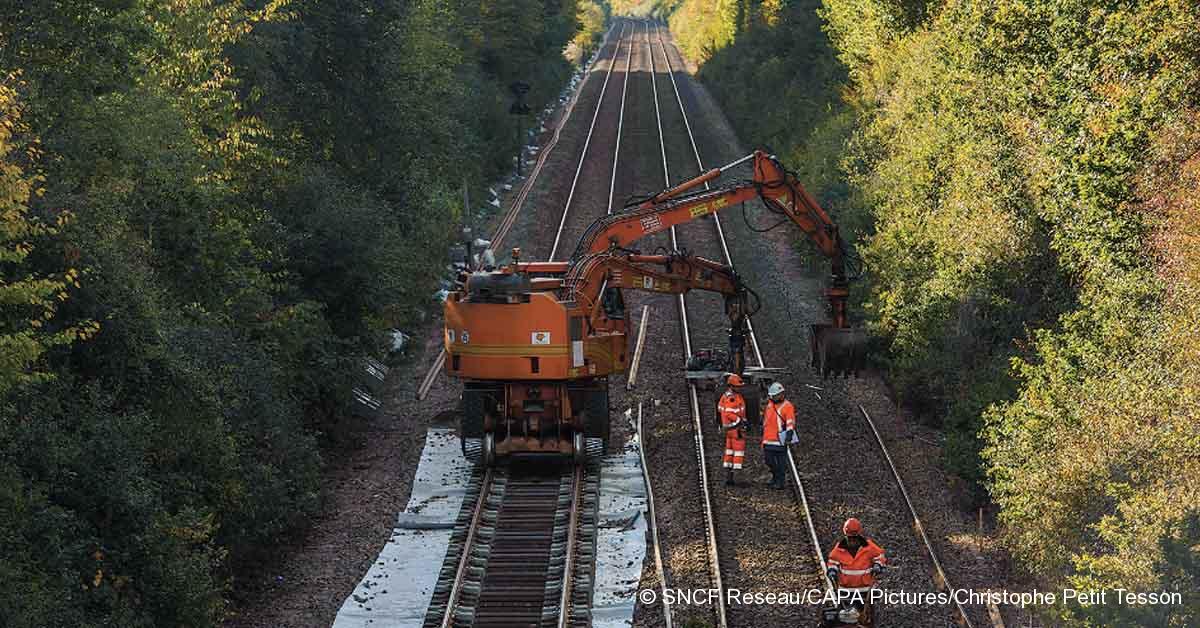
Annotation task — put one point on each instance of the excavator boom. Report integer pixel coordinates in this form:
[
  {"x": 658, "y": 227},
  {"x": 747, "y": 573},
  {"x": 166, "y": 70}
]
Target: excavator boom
[{"x": 836, "y": 348}]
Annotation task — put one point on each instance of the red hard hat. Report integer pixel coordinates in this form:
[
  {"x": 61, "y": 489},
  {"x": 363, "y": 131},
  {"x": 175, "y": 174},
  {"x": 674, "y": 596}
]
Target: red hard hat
[
  {"x": 734, "y": 380},
  {"x": 852, "y": 527}
]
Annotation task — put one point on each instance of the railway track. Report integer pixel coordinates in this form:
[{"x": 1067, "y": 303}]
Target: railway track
[
  {"x": 801, "y": 496},
  {"x": 721, "y": 612},
  {"x": 523, "y": 553},
  {"x": 523, "y": 549}
]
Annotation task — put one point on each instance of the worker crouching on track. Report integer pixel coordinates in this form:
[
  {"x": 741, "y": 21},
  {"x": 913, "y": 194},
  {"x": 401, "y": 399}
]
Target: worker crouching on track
[
  {"x": 854, "y": 562},
  {"x": 779, "y": 431},
  {"x": 732, "y": 408}
]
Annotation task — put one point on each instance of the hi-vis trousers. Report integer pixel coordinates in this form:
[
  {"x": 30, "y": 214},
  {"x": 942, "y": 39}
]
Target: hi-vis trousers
[{"x": 735, "y": 449}]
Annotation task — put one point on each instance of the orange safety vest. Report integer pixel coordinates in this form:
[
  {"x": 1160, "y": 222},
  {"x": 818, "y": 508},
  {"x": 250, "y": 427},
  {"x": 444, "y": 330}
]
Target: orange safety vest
[
  {"x": 776, "y": 420},
  {"x": 854, "y": 571},
  {"x": 732, "y": 408}
]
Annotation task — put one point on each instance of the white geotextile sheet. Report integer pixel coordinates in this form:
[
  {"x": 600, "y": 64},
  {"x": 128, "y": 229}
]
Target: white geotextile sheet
[
  {"x": 621, "y": 542},
  {"x": 397, "y": 588}
]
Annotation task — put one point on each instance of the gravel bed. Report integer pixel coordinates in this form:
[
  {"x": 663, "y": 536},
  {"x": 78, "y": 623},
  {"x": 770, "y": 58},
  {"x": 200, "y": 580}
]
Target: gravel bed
[
  {"x": 838, "y": 485},
  {"x": 670, "y": 446}
]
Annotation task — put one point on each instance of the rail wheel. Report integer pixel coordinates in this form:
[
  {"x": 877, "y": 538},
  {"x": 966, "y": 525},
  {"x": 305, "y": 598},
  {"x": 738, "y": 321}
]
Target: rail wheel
[
  {"x": 488, "y": 455},
  {"x": 579, "y": 442}
]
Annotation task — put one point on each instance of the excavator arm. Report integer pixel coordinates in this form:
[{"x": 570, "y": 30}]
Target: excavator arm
[
  {"x": 836, "y": 348},
  {"x": 685, "y": 202},
  {"x": 674, "y": 273}
]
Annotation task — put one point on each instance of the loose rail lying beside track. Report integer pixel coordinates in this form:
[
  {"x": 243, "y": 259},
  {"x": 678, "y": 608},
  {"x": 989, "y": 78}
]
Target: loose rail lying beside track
[
  {"x": 652, "y": 521},
  {"x": 939, "y": 576}
]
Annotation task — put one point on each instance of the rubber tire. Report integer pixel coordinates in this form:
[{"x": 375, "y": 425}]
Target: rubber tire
[
  {"x": 597, "y": 414},
  {"x": 475, "y": 404},
  {"x": 579, "y": 444}
]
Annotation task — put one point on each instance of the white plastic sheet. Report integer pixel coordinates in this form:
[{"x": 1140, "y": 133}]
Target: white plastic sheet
[
  {"x": 397, "y": 588},
  {"x": 621, "y": 543}
]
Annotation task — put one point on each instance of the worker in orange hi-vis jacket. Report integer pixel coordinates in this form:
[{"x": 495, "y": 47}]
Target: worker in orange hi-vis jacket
[
  {"x": 732, "y": 408},
  {"x": 854, "y": 562},
  {"x": 779, "y": 431}
]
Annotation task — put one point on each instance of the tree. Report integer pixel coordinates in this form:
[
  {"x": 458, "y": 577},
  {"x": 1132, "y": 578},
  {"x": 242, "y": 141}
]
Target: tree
[{"x": 29, "y": 299}]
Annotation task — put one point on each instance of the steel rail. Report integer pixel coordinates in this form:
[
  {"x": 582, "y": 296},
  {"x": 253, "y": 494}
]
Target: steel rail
[
  {"x": 802, "y": 497},
  {"x": 587, "y": 142},
  {"x": 631, "y": 382},
  {"x": 800, "y": 493},
  {"x": 519, "y": 201},
  {"x": 698, "y": 428},
  {"x": 564, "y": 599},
  {"x": 496, "y": 576},
  {"x": 939, "y": 577},
  {"x": 653, "y": 522},
  {"x": 465, "y": 558},
  {"x": 612, "y": 181}
]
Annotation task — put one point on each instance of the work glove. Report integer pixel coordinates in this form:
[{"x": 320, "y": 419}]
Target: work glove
[
  {"x": 832, "y": 573},
  {"x": 787, "y": 437},
  {"x": 876, "y": 569}
]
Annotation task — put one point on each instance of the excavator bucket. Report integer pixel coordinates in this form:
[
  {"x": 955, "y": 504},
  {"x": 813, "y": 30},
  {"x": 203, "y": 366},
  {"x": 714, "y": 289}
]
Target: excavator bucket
[{"x": 838, "y": 351}]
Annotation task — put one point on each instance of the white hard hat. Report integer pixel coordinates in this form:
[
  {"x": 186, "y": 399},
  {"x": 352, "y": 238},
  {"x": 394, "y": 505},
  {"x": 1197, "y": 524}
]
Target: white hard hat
[{"x": 775, "y": 389}]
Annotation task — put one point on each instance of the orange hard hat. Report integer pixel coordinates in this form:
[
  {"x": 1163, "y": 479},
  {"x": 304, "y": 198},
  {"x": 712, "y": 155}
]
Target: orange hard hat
[
  {"x": 852, "y": 527},
  {"x": 734, "y": 380}
]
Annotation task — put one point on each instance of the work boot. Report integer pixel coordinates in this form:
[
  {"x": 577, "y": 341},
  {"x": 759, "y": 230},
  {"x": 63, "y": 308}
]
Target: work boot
[{"x": 729, "y": 477}]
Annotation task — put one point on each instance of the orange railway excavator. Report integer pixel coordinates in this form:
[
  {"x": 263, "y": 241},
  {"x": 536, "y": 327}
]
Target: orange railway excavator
[{"x": 535, "y": 342}]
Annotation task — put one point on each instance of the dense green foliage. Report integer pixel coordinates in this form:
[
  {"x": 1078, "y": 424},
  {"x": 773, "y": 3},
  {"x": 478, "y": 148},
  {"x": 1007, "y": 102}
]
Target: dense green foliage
[
  {"x": 1021, "y": 179},
  {"x": 209, "y": 212}
]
